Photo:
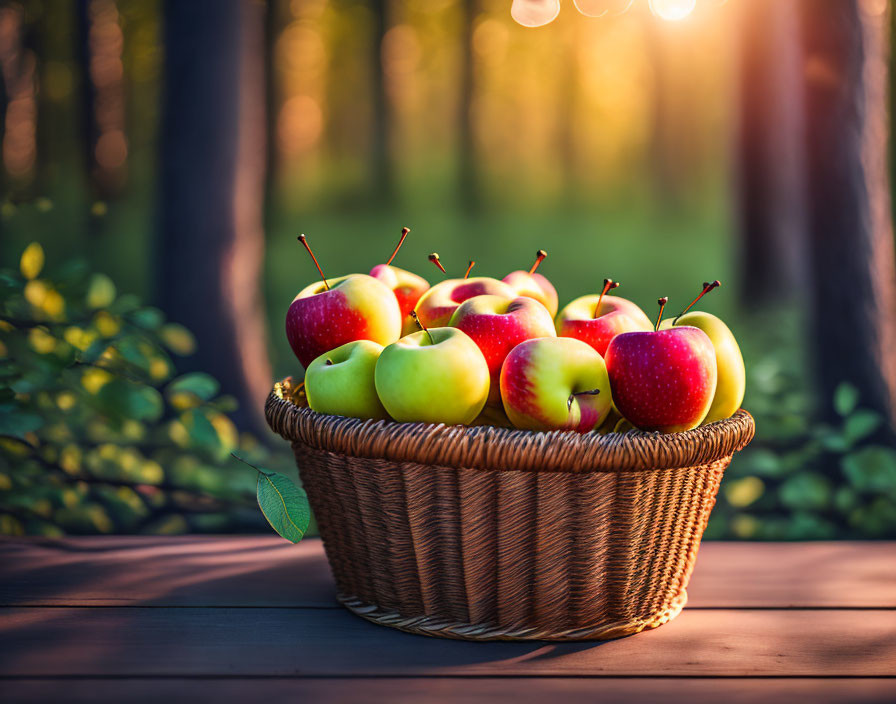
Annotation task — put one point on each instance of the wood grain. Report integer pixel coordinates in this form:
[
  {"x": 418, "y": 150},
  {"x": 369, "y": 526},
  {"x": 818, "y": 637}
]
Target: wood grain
[
  {"x": 266, "y": 571},
  {"x": 439, "y": 690},
  {"x": 275, "y": 642}
]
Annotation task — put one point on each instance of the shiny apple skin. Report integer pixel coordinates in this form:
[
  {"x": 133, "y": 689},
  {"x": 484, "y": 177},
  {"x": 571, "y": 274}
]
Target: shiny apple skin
[
  {"x": 437, "y": 305},
  {"x": 406, "y": 285},
  {"x": 581, "y": 319},
  {"x": 730, "y": 363},
  {"x": 535, "y": 286},
  {"x": 357, "y": 307},
  {"x": 445, "y": 382},
  {"x": 542, "y": 381},
  {"x": 497, "y": 325},
  {"x": 665, "y": 380},
  {"x": 340, "y": 382}
]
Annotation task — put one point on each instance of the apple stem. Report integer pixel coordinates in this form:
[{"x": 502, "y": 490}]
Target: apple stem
[
  {"x": 539, "y": 258},
  {"x": 434, "y": 258},
  {"x": 314, "y": 259},
  {"x": 591, "y": 392},
  {"x": 469, "y": 268},
  {"x": 609, "y": 285},
  {"x": 707, "y": 287},
  {"x": 422, "y": 327},
  {"x": 404, "y": 234},
  {"x": 661, "y": 302},
  {"x": 328, "y": 361}
]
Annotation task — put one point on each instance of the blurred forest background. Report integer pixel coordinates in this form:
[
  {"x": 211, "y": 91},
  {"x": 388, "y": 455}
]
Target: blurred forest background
[{"x": 160, "y": 157}]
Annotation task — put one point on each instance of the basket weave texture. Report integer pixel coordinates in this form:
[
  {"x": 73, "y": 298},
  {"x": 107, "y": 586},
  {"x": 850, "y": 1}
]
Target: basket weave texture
[{"x": 488, "y": 533}]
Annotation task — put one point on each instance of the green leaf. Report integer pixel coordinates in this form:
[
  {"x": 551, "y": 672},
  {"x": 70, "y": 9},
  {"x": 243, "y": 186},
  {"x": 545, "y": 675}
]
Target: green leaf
[
  {"x": 846, "y": 396},
  {"x": 806, "y": 491},
  {"x": 148, "y": 318},
  {"x": 835, "y": 442},
  {"x": 129, "y": 349},
  {"x": 14, "y": 423},
  {"x": 284, "y": 505},
  {"x": 872, "y": 468},
  {"x": 761, "y": 461},
  {"x": 94, "y": 351},
  {"x": 197, "y": 383},
  {"x": 860, "y": 425},
  {"x": 124, "y": 399},
  {"x": 178, "y": 339},
  {"x": 202, "y": 433}
]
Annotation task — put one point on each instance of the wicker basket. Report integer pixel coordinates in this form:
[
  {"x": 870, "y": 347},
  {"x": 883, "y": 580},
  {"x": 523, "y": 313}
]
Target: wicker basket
[{"x": 488, "y": 533}]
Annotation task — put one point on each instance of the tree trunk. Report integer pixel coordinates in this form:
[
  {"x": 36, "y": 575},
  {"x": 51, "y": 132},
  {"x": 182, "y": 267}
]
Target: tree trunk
[
  {"x": 853, "y": 286},
  {"x": 770, "y": 155},
  {"x": 468, "y": 176},
  {"x": 382, "y": 183},
  {"x": 211, "y": 191},
  {"x": 100, "y": 49}
]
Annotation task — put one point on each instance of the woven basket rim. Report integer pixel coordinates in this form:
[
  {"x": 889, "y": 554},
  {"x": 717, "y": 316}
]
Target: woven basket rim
[{"x": 502, "y": 449}]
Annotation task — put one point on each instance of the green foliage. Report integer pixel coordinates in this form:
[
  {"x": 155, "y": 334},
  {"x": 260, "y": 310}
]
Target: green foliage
[
  {"x": 802, "y": 480},
  {"x": 283, "y": 504},
  {"x": 97, "y": 434}
]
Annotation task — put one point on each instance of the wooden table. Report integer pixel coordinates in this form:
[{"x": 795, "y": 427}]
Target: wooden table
[{"x": 154, "y": 619}]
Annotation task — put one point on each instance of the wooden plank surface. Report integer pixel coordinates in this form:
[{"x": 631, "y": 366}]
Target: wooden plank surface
[
  {"x": 127, "y": 641},
  {"x": 439, "y": 690},
  {"x": 267, "y": 571},
  {"x": 198, "y": 618}
]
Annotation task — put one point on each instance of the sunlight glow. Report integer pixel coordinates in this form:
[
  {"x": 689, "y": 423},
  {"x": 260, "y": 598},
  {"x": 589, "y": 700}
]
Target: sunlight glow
[
  {"x": 534, "y": 13},
  {"x": 672, "y": 10},
  {"x": 599, "y": 8}
]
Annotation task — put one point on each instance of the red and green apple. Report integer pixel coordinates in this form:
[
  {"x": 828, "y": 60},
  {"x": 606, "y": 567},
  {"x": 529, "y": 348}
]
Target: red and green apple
[
  {"x": 555, "y": 383},
  {"x": 597, "y": 319},
  {"x": 534, "y": 285},
  {"x": 497, "y": 325}
]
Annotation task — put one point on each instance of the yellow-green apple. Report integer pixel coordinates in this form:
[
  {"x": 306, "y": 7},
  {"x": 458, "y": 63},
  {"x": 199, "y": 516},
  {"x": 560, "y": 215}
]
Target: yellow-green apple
[
  {"x": 663, "y": 380},
  {"x": 597, "y": 319},
  {"x": 534, "y": 285},
  {"x": 340, "y": 382},
  {"x": 437, "y": 305},
  {"x": 331, "y": 312},
  {"x": 729, "y": 360},
  {"x": 407, "y": 286},
  {"x": 555, "y": 383},
  {"x": 498, "y": 324},
  {"x": 436, "y": 375}
]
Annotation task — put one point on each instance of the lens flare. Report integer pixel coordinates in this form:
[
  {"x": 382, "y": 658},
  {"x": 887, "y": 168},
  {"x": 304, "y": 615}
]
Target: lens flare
[
  {"x": 599, "y": 8},
  {"x": 672, "y": 10},
  {"x": 534, "y": 13}
]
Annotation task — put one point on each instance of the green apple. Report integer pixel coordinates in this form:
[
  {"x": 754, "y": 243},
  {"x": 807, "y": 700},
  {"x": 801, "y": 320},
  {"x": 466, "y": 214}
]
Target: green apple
[
  {"x": 732, "y": 376},
  {"x": 340, "y": 382},
  {"x": 437, "y": 375}
]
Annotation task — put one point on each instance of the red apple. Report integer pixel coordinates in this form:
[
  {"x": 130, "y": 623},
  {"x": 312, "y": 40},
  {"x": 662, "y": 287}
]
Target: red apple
[
  {"x": 355, "y": 307},
  {"x": 407, "y": 286},
  {"x": 597, "y": 319},
  {"x": 663, "y": 380},
  {"x": 332, "y": 312},
  {"x": 497, "y": 325},
  {"x": 437, "y": 305},
  {"x": 534, "y": 285}
]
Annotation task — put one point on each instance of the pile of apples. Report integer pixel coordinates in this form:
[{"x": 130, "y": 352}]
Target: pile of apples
[{"x": 487, "y": 351}]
